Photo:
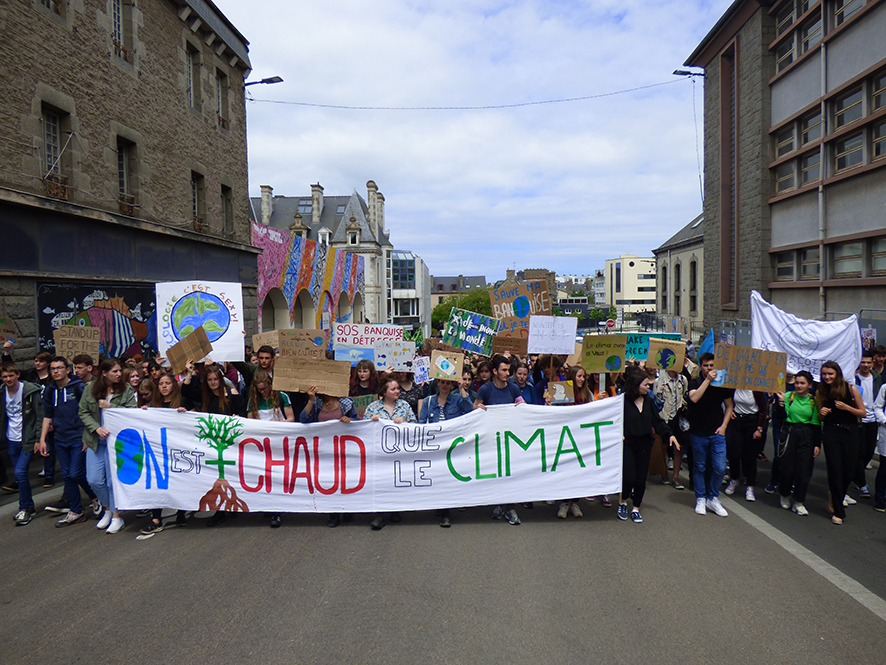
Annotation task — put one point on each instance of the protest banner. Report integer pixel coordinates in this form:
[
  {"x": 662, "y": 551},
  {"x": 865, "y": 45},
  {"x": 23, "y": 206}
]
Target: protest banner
[
  {"x": 270, "y": 338},
  {"x": 195, "y": 346},
  {"x": 73, "y": 340},
  {"x": 470, "y": 331},
  {"x": 513, "y": 305},
  {"x": 807, "y": 343},
  {"x": 552, "y": 334},
  {"x": 560, "y": 392},
  {"x": 666, "y": 354},
  {"x": 518, "y": 346},
  {"x": 637, "y": 344},
  {"x": 8, "y": 330},
  {"x": 304, "y": 344},
  {"x": 217, "y": 307},
  {"x": 397, "y": 356},
  {"x": 744, "y": 368},
  {"x": 603, "y": 353},
  {"x": 360, "y": 403},
  {"x": 447, "y": 366},
  {"x": 356, "y": 341},
  {"x": 422, "y": 367},
  {"x": 198, "y": 461},
  {"x": 297, "y": 375}
]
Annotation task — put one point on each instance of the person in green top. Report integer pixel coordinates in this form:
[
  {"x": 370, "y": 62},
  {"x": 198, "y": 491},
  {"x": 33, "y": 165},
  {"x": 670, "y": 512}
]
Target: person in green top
[{"x": 799, "y": 443}]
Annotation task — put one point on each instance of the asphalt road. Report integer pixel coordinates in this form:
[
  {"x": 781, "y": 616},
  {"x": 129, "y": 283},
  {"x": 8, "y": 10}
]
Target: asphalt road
[{"x": 762, "y": 585}]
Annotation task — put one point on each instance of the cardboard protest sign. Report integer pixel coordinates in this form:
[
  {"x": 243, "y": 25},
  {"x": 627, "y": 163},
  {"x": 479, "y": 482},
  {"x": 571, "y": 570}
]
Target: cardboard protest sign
[
  {"x": 270, "y": 338},
  {"x": 513, "y": 305},
  {"x": 574, "y": 358},
  {"x": 195, "y": 346},
  {"x": 744, "y": 368},
  {"x": 217, "y": 307},
  {"x": 666, "y": 354},
  {"x": 518, "y": 346},
  {"x": 395, "y": 355},
  {"x": 552, "y": 334},
  {"x": 8, "y": 330},
  {"x": 470, "y": 331},
  {"x": 304, "y": 344},
  {"x": 603, "y": 353},
  {"x": 74, "y": 340},
  {"x": 294, "y": 374},
  {"x": 560, "y": 392},
  {"x": 447, "y": 366},
  {"x": 422, "y": 367},
  {"x": 637, "y": 345},
  {"x": 360, "y": 403},
  {"x": 438, "y": 345}
]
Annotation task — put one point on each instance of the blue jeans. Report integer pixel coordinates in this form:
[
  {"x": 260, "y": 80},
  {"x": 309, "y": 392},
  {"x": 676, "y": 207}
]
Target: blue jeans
[
  {"x": 49, "y": 461},
  {"x": 20, "y": 463},
  {"x": 713, "y": 446},
  {"x": 73, "y": 462},
  {"x": 98, "y": 475}
]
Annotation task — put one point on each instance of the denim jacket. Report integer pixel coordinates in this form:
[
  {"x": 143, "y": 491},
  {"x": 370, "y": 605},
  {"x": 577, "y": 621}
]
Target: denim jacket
[{"x": 456, "y": 405}]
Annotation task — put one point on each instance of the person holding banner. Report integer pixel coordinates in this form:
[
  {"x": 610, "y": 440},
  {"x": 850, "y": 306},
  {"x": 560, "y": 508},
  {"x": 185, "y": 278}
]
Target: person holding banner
[
  {"x": 641, "y": 422},
  {"x": 521, "y": 378},
  {"x": 799, "y": 442},
  {"x": 839, "y": 406},
  {"x": 105, "y": 392}
]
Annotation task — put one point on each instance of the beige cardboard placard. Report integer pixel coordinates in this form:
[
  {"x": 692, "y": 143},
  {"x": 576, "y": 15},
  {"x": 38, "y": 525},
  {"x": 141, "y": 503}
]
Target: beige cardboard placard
[
  {"x": 437, "y": 344},
  {"x": 303, "y": 344},
  {"x": 666, "y": 354},
  {"x": 516, "y": 345},
  {"x": 744, "y": 368},
  {"x": 514, "y": 304},
  {"x": 575, "y": 359},
  {"x": 195, "y": 346},
  {"x": 270, "y": 338},
  {"x": 360, "y": 403},
  {"x": 446, "y": 366},
  {"x": 561, "y": 392},
  {"x": 8, "y": 330},
  {"x": 603, "y": 353},
  {"x": 294, "y": 374},
  {"x": 74, "y": 340}
]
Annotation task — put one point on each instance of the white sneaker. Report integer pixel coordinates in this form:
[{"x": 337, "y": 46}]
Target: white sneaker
[
  {"x": 575, "y": 510},
  {"x": 730, "y": 488},
  {"x": 117, "y": 523},
  {"x": 849, "y": 501},
  {"x": 800, "y": 509},
  {"x": 785, "y": 502},
  {"x": 700, "y": 507},
  {"x": 749, "y": 494},
  {"x": 715, "y": 506},
  {"x": 105, "y": 521},
  {"x": 563, "y": 511}
]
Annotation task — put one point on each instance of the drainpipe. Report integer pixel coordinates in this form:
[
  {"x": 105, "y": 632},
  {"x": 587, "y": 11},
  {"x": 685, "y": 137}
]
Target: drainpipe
[{"x": 822, "y": 225}]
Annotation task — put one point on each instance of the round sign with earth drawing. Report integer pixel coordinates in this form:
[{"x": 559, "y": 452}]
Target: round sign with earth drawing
[
  {"x": 613, "y": 363},
  {"x": 200, "y": 309},
  {"x": 521, "y": 307},
  {"x": 666, "y": 359}
]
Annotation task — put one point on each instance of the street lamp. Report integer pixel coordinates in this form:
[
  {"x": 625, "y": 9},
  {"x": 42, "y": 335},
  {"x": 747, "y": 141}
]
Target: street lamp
[
  {"x": 267, "y": 81},
  {"x": 684, "y": 72}
]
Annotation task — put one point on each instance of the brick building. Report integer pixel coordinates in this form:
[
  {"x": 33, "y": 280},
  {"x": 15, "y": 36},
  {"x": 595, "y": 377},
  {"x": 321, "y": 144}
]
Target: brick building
[{"x": 123, "y": 153}]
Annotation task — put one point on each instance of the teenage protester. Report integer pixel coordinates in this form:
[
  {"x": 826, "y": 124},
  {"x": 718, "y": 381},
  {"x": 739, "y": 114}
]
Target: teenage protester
[
  {"x": 868, "y": 385},
  {"x": 880, "y": 480},
  {"x": 879, "y": 366},
  {"x": 107, "y": 391},
  {"x": 483, "y": 375},
  {"x": 20, "y": 419},
  {"x": 839, "y": 407},
  {"x": 445, "y": 405},
  {"x": 83, "y": 367},
  {"x": 582, "y": 395},
  {"x": 467, "y": 381},
  {"x": 364, "y": 380},
  {"x": 412, "y": 393},
  {"x": 132, "y": 376},
  {"x": 145, "y": 392},
  {"x": 549, "y": 371},
  {"x": 710, "y": 410},
  {"x": 388, "y": 406},
  {"x": 500, "y": 391},
  {"x": 671, "y": 390},
  {"x": 777, "y": 421},
  {"x": 521, "y": 378},
  {"x": 799, "y": 442},
  {"x": 749, "y": 417},
  {"x": 641, "y": 422},
  {"x": 265, "y": 362},
  {"x": 61, "y": 407}
]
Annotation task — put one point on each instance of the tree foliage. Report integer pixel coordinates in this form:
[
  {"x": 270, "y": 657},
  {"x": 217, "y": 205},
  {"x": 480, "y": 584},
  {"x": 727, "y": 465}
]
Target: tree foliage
[{"x": 475, "y": 300}]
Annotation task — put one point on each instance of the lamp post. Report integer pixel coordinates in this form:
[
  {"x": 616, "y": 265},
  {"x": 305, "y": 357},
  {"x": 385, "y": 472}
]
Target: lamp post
[{"x": 267, "y": 81}]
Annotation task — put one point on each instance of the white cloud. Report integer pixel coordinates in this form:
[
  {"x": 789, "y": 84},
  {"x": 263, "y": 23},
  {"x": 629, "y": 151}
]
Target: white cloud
[{"x": 563, "y": 186}]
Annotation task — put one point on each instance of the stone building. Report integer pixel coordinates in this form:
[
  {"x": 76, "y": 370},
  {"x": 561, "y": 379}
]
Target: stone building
[
  {"x": 680, "y": 265},
  {"x": 795, "y": 145},
  {"x": 123, "y": 153}
]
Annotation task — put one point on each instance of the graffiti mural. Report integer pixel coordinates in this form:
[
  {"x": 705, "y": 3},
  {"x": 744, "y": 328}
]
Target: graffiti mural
[
  {"x": 125, "y": 315},
  {"x": 292, "y": 264}
]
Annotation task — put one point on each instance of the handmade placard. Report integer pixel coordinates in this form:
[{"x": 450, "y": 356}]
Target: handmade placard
[
  {"x": 195, "y": 346},
  {"x": 294, "y": 374},
  {"x": 74, "y": 340},
  {"x": 217, "y": 307},
  {"x": 603, "y": 353},
  {"x": 552, "y": 334},
  {"x": 513, "y": 305},
  {"x": 560, "y": 392},
  {"x": 447, "y": 366},
  {"x": 574, "y": 358},
  {"x": 518, "y": 346},
  {"x": 637, "y": 345},
  {"x": 360, "y": 403},
  {"x": 666, "y": 354},
  {"x": 470, "y": 331},
  {"x": 744, "y": 368},
  {"x": 8, "y": 331},
  {"x": 270, "y": 338},
  {"x": 421, "y": 366},
  {"x": 304, "y": 344},
  {"x": 397, "y": 356}
]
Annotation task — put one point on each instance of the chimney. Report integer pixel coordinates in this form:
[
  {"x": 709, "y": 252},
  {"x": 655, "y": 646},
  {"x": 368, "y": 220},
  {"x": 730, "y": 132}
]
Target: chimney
[
  {"x": 316, "y": 202},
  {"x": 380, "y": 211},
  {"x": 267, "y": 204},
  {"x": 511, "y": 274},
  {"x": 461, "y": 282},
  {"x": 372, "y": 189}
]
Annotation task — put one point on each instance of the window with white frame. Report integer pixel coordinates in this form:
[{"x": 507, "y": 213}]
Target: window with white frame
[
  {"x": 810, "y": 128},
  {"x": 878, "y": 256},
  {"x": 221, "y": 98},
  {"x": 878, "y": 142},
  {"x": 192, "y": 62},
  {"x": 878, "y": 96},
  {"x": 810, "y": 168},
  {"x": 52, "y": 145},
  {"x": 810, "y": 266},
  {"x": 784, "y": 177},
  {"x": 849, "y": 152},
  {"x": 784, "y": 266},
  {"x": 810, "y": 33},
  {"x": 843, "y": 9},
  {"x": 784, "y": 141},
  {"x": 324, "y": 238},
  {"x": 848, "y": 259},
  {"x": 848, "y": 108}
]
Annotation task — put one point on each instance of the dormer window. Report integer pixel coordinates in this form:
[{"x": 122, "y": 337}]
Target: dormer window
[
  {"x": 354, "y": 238},
  {"x": 324, "y": 237}
]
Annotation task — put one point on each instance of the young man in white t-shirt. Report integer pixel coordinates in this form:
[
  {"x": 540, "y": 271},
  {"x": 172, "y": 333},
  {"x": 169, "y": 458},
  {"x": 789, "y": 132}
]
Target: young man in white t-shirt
[{"x": 21, "y": 414}]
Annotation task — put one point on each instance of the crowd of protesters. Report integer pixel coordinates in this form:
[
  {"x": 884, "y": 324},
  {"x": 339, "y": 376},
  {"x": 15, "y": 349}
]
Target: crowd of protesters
[{"x": 54, "y": 412}]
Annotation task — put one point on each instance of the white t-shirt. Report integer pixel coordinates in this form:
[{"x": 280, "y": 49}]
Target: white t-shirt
[
  {"x": 745, "y": 404},
  {"x": 867, "y": 397},
  {"x": 14, "y": 413}
]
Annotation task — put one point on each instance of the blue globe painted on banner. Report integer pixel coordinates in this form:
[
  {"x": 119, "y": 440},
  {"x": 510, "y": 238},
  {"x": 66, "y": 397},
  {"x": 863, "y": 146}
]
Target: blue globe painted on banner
[
  {"x": 521, "y": 307},
  {"x": 613, "y": 363},
  {"x": 666, "y": 358},
  {"x": 200, "y": 309},
  {"x": 319, "y": 341}
]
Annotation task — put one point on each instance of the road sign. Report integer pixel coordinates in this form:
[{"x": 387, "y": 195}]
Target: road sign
[{"x": 610, "y": 323}]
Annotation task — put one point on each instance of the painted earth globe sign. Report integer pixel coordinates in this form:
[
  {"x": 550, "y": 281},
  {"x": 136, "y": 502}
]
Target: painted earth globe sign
[
  {"x": 613, "y": 363},
  {"x": 521, "y": 307},
  {"x": 666, "y": 358},
  {"x": 200, "y": 309}
]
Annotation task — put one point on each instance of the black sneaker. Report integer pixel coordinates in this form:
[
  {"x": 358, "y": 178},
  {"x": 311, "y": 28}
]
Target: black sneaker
[
  {"x": 276, "y": 522},
  {"x": 60, "y": 506},
  {"x": 445, "y": 522},
  {"x": 153, "y": 527},
  {"x": 219, "y": 517},
  {"x": 10, "y": 487},
  {"x": 332, "y": 522},
  {"x": 377, "y": 524},
  {"x": 880, "y": 506}
]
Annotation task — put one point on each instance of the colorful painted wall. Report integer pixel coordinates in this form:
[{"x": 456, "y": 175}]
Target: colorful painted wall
[{"x": 292, "y": 264}]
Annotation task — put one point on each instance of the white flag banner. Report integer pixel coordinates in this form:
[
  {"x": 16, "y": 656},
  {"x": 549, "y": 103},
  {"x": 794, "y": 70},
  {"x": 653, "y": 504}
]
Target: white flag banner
[
  {"x": 507, "y": 454},
  {"x": 807, "y": 343}
]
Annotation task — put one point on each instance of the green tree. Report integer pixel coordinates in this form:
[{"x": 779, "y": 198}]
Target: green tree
[{"x": 475, "y": 300}]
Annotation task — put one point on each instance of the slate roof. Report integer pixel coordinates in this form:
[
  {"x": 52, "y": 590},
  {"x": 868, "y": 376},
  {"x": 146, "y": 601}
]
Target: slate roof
[
  {"x": 690, "y": 234},
  {"x": 470, "y": 282},
  {"x": 285, "y": 207}
]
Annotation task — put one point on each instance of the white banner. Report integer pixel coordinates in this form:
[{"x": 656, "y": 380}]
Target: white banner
[
  {"x": 182, "y": 307},
  {"x": 160, "y": 458},
  {"x": 552, "y": 334},
  {"x": 806, "y": 342}
]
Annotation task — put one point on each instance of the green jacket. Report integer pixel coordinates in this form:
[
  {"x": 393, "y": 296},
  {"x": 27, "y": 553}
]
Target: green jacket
[
  {"x": 91, "y": 416},
  {"x": 32, "y": 415}
]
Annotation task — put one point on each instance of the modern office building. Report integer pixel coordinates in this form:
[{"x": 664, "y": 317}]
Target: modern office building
[{"x": 630, "y": 283}]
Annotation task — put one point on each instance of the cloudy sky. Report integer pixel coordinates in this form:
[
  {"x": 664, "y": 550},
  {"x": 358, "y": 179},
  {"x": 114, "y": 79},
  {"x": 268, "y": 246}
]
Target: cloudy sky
[{"x": 561, "y": 185}]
